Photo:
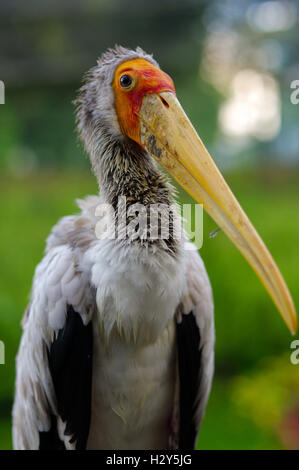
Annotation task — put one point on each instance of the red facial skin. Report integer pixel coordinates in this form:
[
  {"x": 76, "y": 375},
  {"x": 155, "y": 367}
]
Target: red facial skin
[{"x": 147, "y": 79}]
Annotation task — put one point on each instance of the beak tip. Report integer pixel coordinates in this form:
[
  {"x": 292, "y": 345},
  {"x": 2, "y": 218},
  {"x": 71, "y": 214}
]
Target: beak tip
[
  {"x": 294, "y": 329},
  {"x": 293, "y": 323}
]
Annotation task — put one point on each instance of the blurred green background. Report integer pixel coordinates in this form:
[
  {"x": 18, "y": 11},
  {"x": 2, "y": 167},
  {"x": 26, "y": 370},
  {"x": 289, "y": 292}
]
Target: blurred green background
[{"x": 233, "y": 64}]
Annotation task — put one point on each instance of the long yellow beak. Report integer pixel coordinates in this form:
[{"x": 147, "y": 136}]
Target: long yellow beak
[{"x": 168, "y": 135}]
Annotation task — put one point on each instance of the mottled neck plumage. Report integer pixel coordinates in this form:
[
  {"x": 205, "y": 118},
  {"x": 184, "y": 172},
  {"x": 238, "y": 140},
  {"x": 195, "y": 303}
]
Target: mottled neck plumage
[{"x": 124, "y": 169}]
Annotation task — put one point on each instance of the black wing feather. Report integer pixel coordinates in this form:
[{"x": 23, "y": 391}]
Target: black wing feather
[
  {"x": 50, "y": 440},
  {"x": 70, "y": 364},
  {"x": 189, "y": 361}
]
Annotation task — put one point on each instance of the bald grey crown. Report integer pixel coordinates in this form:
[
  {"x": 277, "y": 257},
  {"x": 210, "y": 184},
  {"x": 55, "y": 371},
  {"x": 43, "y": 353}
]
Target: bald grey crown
[{"x": 95, "y": 103}]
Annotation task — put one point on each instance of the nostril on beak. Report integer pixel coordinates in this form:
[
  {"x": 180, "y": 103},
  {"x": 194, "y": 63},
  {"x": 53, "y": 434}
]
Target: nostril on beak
[{"x": 164, "y": 102}]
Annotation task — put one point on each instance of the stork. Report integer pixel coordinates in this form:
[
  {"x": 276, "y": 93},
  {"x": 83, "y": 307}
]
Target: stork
[{"x": 117, "y": 349}]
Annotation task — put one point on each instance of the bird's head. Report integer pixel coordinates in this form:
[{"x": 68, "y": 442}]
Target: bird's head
[
  {"x": 111, "y": 97},
  {"x": 128, "y": 97}
]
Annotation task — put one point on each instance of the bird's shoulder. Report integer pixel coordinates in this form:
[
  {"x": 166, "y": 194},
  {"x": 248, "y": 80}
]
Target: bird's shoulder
[
  {"x": 198, "y": 292},
  {"x": 76, "y": 231},
  {"x": 61, "y": 278}
]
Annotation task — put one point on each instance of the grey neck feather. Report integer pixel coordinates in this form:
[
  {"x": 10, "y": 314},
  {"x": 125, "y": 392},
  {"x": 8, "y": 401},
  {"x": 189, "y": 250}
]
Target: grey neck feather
[{"x": 123, "y": 168}]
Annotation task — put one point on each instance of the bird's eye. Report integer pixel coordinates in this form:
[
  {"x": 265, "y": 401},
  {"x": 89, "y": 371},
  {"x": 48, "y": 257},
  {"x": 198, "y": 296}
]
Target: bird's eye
[{"x": 126, "y": 81}]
